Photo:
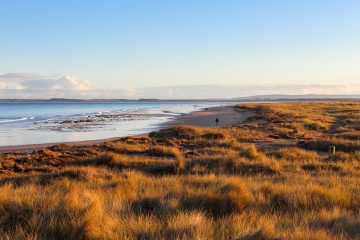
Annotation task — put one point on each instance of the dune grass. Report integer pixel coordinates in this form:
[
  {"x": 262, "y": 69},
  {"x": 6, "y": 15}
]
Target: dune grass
[{"x": 268, "y": 178}]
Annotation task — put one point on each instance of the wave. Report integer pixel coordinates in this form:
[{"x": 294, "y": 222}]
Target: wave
[
  {"x": 16, "y": 119},
  {"x": 103, "y": 112}
]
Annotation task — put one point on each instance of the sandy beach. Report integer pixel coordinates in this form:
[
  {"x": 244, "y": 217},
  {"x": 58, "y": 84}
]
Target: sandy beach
[{"x": 205, "y": 118}]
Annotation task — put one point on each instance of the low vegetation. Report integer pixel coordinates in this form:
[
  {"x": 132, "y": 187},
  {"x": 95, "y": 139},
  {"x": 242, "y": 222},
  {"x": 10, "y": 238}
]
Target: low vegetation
[{"x": 270, "y": 177}]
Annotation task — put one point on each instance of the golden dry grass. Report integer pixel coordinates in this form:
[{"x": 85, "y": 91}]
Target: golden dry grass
[{"x": 268, "y": 178}]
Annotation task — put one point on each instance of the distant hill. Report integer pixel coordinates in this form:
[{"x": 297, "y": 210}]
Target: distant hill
[
  {"x": 274, "y": 97},
  {"x": 255, "y": 98}
]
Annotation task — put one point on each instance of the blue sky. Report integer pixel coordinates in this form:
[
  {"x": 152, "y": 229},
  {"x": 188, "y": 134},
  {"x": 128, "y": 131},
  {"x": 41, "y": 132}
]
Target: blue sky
[{"x": 140, "y": 44}]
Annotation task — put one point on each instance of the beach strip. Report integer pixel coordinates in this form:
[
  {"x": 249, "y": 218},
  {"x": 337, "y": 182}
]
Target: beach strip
[{"x": 226, "y": 115}]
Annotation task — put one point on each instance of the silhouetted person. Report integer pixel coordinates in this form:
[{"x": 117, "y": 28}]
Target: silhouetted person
[{"x": 217, "y": 121}]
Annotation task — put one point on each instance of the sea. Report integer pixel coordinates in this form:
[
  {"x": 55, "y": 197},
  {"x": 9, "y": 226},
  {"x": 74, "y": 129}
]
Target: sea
[{"x": 23, "y": 123}]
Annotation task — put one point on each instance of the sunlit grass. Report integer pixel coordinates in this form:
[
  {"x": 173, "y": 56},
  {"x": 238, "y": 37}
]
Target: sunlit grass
[{"x": 271, "y": 177}]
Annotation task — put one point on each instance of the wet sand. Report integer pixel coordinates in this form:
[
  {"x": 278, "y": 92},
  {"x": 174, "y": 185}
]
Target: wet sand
[{"x": 205, "y": 118}]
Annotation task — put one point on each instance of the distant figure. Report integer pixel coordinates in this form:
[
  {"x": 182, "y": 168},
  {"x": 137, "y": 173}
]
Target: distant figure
[{"x": 217, "y": 121}]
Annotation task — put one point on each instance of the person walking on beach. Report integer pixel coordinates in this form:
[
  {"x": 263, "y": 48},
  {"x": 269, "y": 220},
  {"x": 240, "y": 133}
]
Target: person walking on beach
[{"x": 217, "y": 121}]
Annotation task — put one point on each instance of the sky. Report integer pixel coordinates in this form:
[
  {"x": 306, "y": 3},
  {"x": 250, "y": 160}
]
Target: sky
[{"x": 172, "y": 48}]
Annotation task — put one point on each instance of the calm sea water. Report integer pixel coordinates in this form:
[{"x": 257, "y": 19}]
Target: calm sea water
[{"x": 32, "y": 123}]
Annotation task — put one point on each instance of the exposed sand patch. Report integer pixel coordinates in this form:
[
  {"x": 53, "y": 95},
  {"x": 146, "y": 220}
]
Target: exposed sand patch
[{"x": 227, "y": 115}]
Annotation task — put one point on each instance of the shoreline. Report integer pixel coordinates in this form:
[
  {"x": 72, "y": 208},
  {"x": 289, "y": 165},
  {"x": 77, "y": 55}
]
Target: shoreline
[
  {"x": 226, "y": 115},
  {"x": 203, "y": 118}
]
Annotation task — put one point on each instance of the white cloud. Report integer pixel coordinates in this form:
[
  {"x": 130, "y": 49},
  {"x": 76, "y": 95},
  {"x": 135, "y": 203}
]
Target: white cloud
[
  {"x": 27, "y": 85},
  {"x": 73, "y": 83},
  {"x": 66, "y": 83},
  {"x": 2, "y": 85}
]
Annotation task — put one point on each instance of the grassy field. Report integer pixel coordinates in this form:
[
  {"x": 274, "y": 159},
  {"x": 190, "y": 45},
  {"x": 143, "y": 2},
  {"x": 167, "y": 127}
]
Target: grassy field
[{"x": 270, "y": 177}]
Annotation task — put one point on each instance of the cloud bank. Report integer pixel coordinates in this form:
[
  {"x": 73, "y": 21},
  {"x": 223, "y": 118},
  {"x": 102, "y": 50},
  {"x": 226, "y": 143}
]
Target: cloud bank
[
  {"x": 27, "y": 85},
  {"x": 234, "y": 91},
  {"x": 28, "y": 81},
  {"x": 36, "y": 86}
]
